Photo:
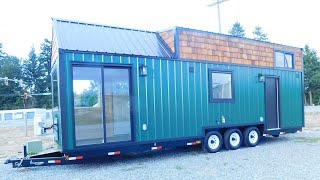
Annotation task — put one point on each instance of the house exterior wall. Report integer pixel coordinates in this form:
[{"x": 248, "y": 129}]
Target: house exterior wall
[
  {"x": 174, "y": 101},
  {"x": 198, "y": 45}
]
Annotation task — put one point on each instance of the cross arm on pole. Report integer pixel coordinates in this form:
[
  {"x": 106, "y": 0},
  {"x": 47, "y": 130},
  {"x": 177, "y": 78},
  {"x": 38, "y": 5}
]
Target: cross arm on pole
[{"x": 217, "y": 2}]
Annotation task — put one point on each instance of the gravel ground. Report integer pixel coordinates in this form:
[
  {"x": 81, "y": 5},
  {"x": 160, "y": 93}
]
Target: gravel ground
[{"x": 292, "y": 156}]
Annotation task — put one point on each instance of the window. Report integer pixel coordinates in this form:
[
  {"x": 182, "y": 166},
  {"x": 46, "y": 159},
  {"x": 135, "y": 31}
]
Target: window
[
  {"x": 87, "y": 88},
  {"x": 284, "y": 59},
  {"x": 220, "y": 86},
  {"x": 55, "y": 105},
  {"x": 55, "y": 91}
]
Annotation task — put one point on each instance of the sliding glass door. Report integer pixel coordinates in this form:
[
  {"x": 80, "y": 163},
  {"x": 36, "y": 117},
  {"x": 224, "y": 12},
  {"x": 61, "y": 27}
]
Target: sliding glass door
[
  {"x": 117, "y": 104},
  {"x": 87, "y": 89},
  {"x": 101, "y": 104}
]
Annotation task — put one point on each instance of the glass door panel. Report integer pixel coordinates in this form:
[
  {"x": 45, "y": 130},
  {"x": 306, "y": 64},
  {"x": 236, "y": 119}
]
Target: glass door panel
[
  {"x": 87, "y": 92},
  {"x": 117, "y": 104}
]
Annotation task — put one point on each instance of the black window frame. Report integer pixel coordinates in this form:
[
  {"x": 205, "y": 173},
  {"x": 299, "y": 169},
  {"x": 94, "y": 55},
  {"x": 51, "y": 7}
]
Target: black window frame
[
  {"x": 284, "y": 54},
  {"x": 217, "y": 100}
]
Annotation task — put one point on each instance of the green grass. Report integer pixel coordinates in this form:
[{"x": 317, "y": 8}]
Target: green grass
[
  {"x": 32, "y": 153},
  {"x": 308, "y": 139},
  {"x": 179, "y": 168}
]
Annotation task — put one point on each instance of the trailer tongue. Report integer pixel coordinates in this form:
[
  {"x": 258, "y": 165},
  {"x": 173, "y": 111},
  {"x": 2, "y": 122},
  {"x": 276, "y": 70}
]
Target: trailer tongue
[{"x": 45, "y": 159}]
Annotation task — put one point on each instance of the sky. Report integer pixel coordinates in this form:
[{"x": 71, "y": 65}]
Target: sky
[{"x": 24, "y": 24}]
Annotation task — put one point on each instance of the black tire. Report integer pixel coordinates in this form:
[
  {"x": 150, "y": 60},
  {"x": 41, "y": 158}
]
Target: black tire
[
  {"x": 251, "y": 136},
  {"x": 212, "y": 142},
  {"x": 234, "y": 142}
]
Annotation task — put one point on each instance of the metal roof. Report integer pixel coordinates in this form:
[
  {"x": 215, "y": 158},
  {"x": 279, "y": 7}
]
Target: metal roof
[{"x": 80, "y": 36}]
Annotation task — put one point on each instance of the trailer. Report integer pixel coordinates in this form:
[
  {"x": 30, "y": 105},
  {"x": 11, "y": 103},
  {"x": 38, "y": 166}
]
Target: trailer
[{"x": 118, "y": 90}]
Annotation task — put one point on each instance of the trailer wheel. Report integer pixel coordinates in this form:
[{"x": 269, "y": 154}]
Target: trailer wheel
[
  {"x": 232, "y": 139},
  {"x": 212, "y": 142},
  {"x": 251, "y": 136}
]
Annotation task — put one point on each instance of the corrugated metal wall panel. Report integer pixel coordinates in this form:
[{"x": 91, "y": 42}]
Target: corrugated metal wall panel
[{"x": 173, "y": 101}]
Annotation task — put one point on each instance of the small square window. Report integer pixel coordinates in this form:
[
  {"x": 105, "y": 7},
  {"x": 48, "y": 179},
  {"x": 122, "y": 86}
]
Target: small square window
[
  {"x": 283, "y": 59},
  {"x": 220, "y": 86}
]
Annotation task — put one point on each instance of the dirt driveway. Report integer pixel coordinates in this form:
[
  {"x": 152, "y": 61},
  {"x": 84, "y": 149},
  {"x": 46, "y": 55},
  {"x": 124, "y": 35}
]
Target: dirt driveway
[{"x": 13, "y": 138}]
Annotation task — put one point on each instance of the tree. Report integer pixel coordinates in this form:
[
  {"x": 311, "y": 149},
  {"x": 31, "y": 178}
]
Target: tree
[
  {"x": 237, "y": 30},
  {"x": 10, "y": 95},
  {"x": 259, "y": 35},
  {"x": 2, "y": 54},
  {"x": 31, "y": 75},
  {"x": 311, "y": 74},
  {"x": 45, "y": 69},
  {"x": 36, "y": 71}
]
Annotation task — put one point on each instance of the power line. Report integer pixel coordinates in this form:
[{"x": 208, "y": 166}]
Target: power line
[{"x": 36, "y": 94}]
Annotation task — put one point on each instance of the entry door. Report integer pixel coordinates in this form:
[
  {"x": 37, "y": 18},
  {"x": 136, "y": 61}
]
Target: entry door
[
  {"x": 117, "y": 104},
  {"x": 272, "y": 103}
]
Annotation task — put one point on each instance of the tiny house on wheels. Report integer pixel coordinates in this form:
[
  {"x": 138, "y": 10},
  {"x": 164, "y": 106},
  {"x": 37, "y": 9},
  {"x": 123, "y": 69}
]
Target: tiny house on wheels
[{"x": 118, "y": 90}]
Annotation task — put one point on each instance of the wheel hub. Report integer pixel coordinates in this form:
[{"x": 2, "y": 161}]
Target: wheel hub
[
  {"x": 234, "y": 139},
  {"x": 213, "y": 142},
  {"x": 253, "y": 137}
]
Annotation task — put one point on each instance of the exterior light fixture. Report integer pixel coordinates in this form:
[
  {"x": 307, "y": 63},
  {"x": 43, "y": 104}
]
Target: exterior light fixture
[
  {"x": 143, "y": 70},
  {"x": 261, "y": 77}
]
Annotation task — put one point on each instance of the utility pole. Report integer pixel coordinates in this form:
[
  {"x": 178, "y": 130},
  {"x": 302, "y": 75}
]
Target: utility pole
[
  {"x": 25, "y": 97},
  {"x": 218, "y": 2}
]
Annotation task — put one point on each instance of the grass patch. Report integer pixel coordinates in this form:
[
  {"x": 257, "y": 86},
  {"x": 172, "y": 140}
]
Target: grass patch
[
  {"x": 32, "y": 153},
  {"x": 179, "y": 168},
  {"x": 308, "y": 139}
]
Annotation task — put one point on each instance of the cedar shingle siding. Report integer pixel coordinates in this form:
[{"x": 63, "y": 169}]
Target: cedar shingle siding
[
  {"x": 168, "y": 37},
  {"x": 219, "y": 48}
]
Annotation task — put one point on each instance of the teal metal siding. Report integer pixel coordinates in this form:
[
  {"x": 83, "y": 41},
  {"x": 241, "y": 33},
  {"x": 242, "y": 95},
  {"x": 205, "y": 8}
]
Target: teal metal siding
[{"x": 174, "y": 102}]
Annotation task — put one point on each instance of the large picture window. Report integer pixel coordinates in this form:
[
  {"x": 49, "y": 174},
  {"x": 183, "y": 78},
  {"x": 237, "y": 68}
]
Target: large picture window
[
  {"x": 220, "y": 86},
  {"x": 283, "y": 59}
]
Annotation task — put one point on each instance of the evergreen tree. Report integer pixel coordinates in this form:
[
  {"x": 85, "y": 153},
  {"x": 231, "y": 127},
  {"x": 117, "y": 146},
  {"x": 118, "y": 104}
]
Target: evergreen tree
[
  {"x": 237, "y": 30},
  {"x": 259, "y": 35},
  {"x": 1, "y": 52},
  {"x": 36, "y": 70},
  {"x": 10, "y": 95},
  {"x": 45, "y": 68},
  {"x": 311, "y": 75},
  {"x": 32, "y": 75}
]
